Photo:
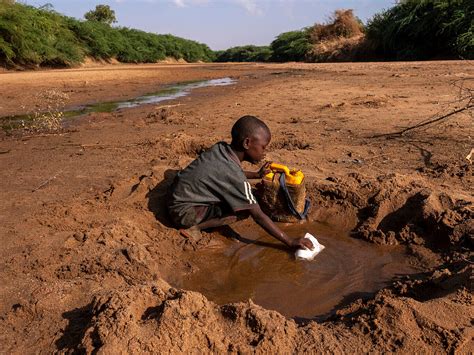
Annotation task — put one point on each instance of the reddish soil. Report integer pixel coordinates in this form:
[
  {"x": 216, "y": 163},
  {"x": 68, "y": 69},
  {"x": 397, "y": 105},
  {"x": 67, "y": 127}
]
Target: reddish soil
[{"x": 87, "y": 247}]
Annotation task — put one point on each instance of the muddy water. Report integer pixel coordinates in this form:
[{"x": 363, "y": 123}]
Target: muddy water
[{"x": 258, "y": 268}]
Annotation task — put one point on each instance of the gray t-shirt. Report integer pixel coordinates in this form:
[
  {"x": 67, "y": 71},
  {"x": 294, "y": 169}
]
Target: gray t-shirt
[{"x": 215, "y": 177}]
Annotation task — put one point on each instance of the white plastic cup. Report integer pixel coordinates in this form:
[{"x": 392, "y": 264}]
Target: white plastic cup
[{"x": 309, "y": 254}]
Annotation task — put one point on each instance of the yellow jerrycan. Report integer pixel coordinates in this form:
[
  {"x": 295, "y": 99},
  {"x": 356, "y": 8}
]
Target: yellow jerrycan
[
  {"x": 292, "y": 177},
  {"x": 282, "y": 194}
]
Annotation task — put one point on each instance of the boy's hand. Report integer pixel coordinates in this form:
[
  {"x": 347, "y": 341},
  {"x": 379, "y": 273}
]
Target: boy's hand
[
  {"x": 266, "y": 223},
  {"x": 264, "y": 170},
  {"x": 303, "y": 243}
]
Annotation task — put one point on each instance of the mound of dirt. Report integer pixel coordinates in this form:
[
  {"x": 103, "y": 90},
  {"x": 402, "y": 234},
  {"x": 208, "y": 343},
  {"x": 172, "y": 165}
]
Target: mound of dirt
[
  {"x": 183, "y": 144},
  {"x": 451, "y": 169},
  {"x": 165, "y": 115},
  {"x": 152, "y": 317},
  {"x": 391, "y": 323},
  {"x": 289, "y": 143},
  {"x": 395, "y": 210}
]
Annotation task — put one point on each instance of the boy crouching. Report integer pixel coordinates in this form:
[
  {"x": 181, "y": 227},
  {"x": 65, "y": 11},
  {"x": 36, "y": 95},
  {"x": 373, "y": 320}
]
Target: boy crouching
[{"x": 213, "y": 190}]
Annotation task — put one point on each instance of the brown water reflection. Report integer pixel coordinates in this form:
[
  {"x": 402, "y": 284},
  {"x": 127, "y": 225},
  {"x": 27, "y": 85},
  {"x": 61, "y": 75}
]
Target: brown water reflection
[{"x": 346, "y": 268}]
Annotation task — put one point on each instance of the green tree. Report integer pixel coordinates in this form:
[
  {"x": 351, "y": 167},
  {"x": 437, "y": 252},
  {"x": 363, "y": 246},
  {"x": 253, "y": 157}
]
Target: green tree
[
  {"x": 102, "y": 13},
  {"x": 423, "y": 29},
  {"x": 291, "y": 46},
  {"x": 245, "y": 54}
]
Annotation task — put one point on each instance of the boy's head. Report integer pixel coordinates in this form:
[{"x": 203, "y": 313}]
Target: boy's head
[{"x": 251, "y": 136}]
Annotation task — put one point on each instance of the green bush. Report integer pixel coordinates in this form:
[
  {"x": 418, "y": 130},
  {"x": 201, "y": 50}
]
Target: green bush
[
  {"x": 423, "y": 29},
  {"x": 411, "y": 30},
  {"x": 186, "y": 49},
  {"x": 99, "y": 40},
  {"x": 139, "y": 47},
  {"x": 31, "y": 36},
  {"x": 245, "y": 54},
  {"x": 133, "y": 46},
  {"x": 291, "y": 46}
]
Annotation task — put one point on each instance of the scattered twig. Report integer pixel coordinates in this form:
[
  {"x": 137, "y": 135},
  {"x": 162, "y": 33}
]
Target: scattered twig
[
  {"x": 5, "y": 151},
  {"x": 47, "y": 181},
  {"x": 469, "y": 156},
  {"x": 403, "y": 131},
  {"x": 465, "y": 96}
]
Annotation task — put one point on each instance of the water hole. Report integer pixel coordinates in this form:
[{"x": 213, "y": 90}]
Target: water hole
[{"x": 263, "y": 271}]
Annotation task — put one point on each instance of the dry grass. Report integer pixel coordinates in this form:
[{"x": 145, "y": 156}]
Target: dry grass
[
  {"x": 342, "y": 24},
  {"x": 340, "y": 49},
  {"x": 339, "y": 39},
  {"x": 48, "y": 116}
]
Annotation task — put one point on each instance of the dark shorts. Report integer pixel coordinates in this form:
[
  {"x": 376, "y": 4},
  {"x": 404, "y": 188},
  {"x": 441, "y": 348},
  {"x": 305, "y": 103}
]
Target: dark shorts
[{"x": 189, "y": 216}]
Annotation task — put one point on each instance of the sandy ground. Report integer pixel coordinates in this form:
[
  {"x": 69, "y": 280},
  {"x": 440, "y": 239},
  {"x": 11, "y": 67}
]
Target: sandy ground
[{"x": 87, "y": 248}]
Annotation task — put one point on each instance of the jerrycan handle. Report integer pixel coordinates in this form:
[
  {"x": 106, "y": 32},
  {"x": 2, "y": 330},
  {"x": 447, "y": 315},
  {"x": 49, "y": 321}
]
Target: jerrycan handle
[
  {"x": 294, "y": 177},
  {"x": 280, "y": 168}
]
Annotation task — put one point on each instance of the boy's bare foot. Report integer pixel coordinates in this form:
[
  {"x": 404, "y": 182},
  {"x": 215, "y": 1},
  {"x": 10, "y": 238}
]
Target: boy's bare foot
[{"x": 193, "y": 234}]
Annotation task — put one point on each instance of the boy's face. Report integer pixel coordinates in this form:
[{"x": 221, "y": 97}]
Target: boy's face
[{"x": 255, "y": 146}]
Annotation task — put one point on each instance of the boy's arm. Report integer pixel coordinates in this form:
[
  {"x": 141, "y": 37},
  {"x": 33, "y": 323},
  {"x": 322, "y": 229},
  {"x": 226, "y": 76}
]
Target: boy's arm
[
  {"x": 266, "y": 223},
  {"x": 265, "y": 169},
  {"x": 252, "y": 175}
]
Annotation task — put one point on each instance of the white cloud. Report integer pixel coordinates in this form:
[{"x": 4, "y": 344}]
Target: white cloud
[
  {"x": 186, "y": 3},
  {"x": 179, "y": 3},
  {"x": 250, "y": 6}
]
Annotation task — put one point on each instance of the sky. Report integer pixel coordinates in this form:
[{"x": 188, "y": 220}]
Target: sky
[{"x": 220, "y": 24}]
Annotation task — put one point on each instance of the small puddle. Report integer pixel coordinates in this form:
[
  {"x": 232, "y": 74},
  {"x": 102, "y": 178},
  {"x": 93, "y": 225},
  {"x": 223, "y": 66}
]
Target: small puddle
[
  {"x": 345, "y": 270},
  {"x": 170, "y": 92}
]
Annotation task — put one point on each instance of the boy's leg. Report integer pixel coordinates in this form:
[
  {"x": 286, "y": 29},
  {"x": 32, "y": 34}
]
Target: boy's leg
[
  {"x": 217, "y": 222},
  {"x": 194, "y": 232},
  {"x": 220, "y": 219}
]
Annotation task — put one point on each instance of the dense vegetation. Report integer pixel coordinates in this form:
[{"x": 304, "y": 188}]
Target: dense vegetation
[
  {"x": 288, "y": 46},
  {"x": 423, "y": 29},
  {"x": 291, "y": 46},
  {"x": 244, "y": 54},
  {"x": 32, "y": 36},
  {"x": 410, "y": 30}
]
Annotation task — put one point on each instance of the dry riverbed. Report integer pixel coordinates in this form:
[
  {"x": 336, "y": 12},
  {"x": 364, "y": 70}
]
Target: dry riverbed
[{"x": 89, "y": 260}]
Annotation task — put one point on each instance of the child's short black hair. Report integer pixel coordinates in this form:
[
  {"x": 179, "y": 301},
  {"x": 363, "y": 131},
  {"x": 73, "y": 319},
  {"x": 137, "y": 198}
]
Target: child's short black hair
[{"x": 245, "y": 127}]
